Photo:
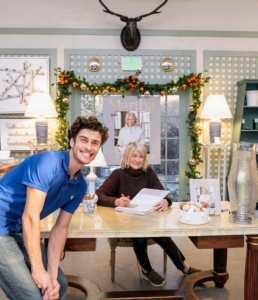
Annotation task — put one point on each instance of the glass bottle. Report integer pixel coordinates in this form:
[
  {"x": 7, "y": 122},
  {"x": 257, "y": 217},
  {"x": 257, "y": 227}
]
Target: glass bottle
[{"x": 243, "y": 183}]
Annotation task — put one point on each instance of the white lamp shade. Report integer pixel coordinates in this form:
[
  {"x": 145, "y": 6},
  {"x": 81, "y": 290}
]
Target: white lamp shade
[
  {"x": 98, "y": 161},
  {"x": 40, "y": 104},
  {"x": 216, "y": 106}
]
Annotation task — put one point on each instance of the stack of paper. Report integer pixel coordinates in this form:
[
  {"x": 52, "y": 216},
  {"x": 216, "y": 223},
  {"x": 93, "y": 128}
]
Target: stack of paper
[{"x": 143, "y": 202}]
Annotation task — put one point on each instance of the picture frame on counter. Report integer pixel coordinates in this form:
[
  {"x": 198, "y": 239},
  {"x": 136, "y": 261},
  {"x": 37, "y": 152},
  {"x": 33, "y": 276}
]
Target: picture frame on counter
[{"x": 208, "y": 191}]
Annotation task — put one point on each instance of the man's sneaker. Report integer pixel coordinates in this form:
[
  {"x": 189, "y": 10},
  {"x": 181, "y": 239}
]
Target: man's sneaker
[
  {"x": 191, "y": 270},
  {"x": 154, "y": 278}
]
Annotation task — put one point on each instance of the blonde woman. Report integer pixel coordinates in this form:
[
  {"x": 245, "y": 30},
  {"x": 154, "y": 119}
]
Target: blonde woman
[
  {"x": 134, "y": 175},
  {"x": 131, "y": 132}
]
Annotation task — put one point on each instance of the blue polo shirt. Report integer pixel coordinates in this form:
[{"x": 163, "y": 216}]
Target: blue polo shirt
[{"x": 48, "y": 172}]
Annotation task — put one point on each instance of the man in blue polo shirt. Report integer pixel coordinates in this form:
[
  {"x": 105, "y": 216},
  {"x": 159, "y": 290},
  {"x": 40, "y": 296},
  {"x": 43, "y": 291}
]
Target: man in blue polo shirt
[{"x": 32, "y": 190}]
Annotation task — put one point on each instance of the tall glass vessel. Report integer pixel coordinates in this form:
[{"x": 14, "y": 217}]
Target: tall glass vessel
[{"x": 243, "y": 183}]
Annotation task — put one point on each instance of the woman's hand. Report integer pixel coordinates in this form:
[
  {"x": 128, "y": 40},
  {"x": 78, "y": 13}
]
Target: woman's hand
[
  {"x": 161, "y": 205},
  {"x": 122, "y": 201}
]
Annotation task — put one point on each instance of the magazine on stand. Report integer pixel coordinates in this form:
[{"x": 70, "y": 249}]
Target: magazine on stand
[{"x": 143, "y": 202}]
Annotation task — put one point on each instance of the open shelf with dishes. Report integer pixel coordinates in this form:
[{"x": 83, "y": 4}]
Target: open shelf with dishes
[{"x": 245, "y": 127}]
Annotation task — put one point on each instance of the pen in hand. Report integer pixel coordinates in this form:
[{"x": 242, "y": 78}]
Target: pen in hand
[{"x": 125, "y": 202}]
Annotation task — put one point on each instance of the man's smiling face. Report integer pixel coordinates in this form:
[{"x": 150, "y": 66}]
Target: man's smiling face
[{"x": 86, "y": 145}]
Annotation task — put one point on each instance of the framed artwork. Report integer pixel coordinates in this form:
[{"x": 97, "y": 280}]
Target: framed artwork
[
  {"x": 132, "y": 119},
  {"x": 206, "y": 190},
  {"x": 17, "y": 133},
  {"x": 19, "y": 78}
]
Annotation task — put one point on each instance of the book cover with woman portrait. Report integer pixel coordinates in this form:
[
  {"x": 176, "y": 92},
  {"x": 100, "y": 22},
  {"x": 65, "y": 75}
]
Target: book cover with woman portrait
[{"x": 132, "y": 119}]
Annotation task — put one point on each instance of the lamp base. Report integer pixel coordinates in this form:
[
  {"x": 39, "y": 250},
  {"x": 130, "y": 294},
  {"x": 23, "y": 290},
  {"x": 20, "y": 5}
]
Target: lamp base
[
  {"x": 41, "y": 131},
  {"x": 215, "y": 129}
]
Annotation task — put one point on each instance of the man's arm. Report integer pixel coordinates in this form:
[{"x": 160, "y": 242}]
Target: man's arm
[
  {"x": 31, "y": 232},
  {"x": 57, "y": 241}
]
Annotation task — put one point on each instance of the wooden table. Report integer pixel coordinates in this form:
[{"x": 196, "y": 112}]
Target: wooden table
[
  {"x": 6, "y": 167},
  {"x": 218, "y": 234}
]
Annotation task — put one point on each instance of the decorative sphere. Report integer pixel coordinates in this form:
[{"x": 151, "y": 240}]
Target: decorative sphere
[
  {"x": 190, "y": 108},
  {"x": 105, "y": 92},
  {"x": 198, "y": 132},
  {"x": 65, "y": 99},
  {"x": 83, "y": 86},
  {"x": 192, "y": 161},
  {"x": 174, "y": 89},
  {"x": 147, "y": 94}
]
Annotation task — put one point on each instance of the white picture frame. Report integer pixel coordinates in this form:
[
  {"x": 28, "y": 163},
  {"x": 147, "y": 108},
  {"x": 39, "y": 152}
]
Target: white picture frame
[
  {"x": 19, "y": 78},
  {"x": 206, "y": 190}
]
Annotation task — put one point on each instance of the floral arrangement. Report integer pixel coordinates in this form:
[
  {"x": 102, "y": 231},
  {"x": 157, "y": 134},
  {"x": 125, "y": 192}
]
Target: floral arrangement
[{"x": 195, "y": 82}]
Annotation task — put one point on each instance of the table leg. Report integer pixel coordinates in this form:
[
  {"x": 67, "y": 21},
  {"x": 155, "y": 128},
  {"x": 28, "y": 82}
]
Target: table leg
[
  {"x": 251, "y": 270},
  {"x": 220, "y": 267}
]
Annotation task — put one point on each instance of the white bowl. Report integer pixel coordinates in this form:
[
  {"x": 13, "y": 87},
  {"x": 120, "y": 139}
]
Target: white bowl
[{"x": 193, "y": 218}]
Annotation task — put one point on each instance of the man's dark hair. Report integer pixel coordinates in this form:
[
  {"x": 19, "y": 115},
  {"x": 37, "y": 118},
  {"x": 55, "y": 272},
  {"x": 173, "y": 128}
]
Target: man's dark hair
[{"x": 90, "y": 123}]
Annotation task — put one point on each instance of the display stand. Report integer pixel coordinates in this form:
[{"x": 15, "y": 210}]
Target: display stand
[
  {"x": 35, "y": 148},
  {"x": 207, "y": 149}
]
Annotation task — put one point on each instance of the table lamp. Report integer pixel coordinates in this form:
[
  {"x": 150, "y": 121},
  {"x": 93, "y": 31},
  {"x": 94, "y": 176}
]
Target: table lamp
[
  {"x": 41, "y": 106},
  {"x": 215, "y": 108},
  {"x": 98, "y": 161}
]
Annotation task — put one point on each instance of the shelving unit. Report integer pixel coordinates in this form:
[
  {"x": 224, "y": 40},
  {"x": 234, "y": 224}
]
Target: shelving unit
[
  {"x": 36, "y": 148},
  {"x": 244, "y": 112}
]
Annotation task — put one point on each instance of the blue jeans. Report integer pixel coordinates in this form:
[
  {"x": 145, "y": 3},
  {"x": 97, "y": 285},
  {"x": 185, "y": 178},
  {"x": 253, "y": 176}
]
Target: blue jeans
[{"x": 15, "y": 276}]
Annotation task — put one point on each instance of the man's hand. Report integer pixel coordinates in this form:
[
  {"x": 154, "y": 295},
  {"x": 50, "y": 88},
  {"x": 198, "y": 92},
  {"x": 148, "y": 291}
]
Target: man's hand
[
  {"x": 161, "y": 205},
  {"x": 122, "y": 201},
  {"x": 52, "y": 294},
  {"x": 42, "y": 279}
]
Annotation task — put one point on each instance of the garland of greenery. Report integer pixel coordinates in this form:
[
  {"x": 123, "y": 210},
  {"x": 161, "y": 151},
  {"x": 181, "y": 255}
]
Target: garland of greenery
[{"x": 194, "y": 82}]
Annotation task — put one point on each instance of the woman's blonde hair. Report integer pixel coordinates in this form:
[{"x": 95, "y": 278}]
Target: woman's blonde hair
[
  {"x": 130, "y": 114},
  {"x": 129, "y": 149}
]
